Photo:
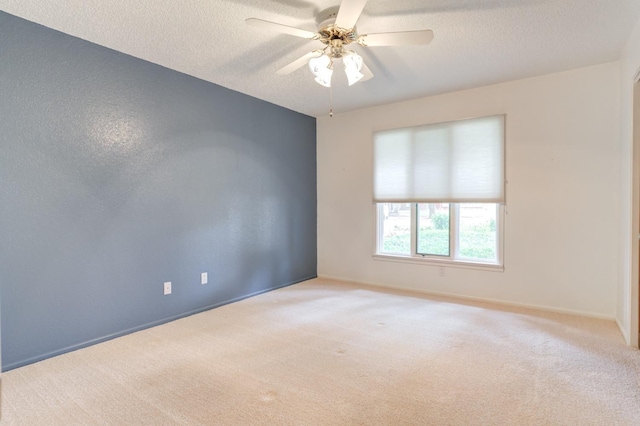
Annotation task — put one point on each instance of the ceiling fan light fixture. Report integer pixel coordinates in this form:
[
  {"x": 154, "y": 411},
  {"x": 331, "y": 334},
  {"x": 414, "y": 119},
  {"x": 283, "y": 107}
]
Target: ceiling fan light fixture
[
  {"x": 352, "y": 66},
  {"x": 321, "y": 67},
  {"x": 336, "y": 30},
  {"x": 325, "y": 78}
]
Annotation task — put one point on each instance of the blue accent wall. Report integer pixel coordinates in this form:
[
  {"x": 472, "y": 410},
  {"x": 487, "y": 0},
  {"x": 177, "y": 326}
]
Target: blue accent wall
[{"x": 117, "y": 175}]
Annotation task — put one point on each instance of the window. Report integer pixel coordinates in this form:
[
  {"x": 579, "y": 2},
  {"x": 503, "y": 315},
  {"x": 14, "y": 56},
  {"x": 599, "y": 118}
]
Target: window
[
  {"x": 464, "y": 233},
  {"x": 440, "y": 191}
]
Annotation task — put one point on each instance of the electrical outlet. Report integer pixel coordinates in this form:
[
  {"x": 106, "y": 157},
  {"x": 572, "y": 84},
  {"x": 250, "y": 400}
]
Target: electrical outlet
[
  {"x": 167, "y": 288},
  {"x": 204, "y": 278},
  {"x": 441, "y": 271}
]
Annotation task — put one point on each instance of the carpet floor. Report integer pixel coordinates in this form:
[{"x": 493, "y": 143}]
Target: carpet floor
[{"x": 328, "y": 353}]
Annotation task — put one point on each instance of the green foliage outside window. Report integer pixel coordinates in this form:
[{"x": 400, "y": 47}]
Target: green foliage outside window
[{"x": 476, "y": 242}]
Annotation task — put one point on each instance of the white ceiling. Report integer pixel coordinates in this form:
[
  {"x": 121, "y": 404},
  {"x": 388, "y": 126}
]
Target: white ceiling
[{"x": 477, "y": 42}]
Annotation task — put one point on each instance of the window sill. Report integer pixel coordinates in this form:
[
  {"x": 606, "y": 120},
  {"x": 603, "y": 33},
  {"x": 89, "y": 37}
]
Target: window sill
[{"x": 436, "y": 262}]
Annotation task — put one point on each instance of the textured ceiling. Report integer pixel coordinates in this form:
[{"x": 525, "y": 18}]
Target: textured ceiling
[{"x": 477, "y": 42}]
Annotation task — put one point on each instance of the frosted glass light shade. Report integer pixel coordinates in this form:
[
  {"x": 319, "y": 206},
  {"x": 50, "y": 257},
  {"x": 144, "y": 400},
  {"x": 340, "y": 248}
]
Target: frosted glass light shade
[
  {"x": 321, "y": 69},
  {"x": 352, "y": 66}
]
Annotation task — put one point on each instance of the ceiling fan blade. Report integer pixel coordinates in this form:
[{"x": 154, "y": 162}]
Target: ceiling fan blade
[
  {"x": 397, "y": 39},
  {"x": 368, "y": 75},
  {"x": 349, "y": 13},
  {"x": 284, "y": 29},
  {"x": 288, "y": 69}
]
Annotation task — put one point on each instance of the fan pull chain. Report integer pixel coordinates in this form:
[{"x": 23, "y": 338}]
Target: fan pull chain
[{"x": 330, "y": 101}]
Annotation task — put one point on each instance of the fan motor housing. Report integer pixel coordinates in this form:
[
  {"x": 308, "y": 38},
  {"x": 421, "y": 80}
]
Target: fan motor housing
[{"x": 329, "y": 33}]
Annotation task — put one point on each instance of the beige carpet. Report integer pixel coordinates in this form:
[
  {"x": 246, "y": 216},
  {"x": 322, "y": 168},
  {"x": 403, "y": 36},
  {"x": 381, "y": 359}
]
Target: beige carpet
[{"x": 327, "y": 353}]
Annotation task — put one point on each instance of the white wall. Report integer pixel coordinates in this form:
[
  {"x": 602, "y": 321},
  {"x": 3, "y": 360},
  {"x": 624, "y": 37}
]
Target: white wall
[
  {"x": 627, "y": 308},
  {"x": 563, "y": 195}
]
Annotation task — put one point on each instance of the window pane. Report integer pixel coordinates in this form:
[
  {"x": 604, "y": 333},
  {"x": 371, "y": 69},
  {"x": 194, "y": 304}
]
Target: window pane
[
  {"x": 478, "y": 231},
  {"x": 433, "y": 229},
  {"x": 396, "y": 228}
]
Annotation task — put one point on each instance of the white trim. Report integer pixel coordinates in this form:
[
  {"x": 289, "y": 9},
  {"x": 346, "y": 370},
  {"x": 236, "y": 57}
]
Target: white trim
[
  {"x": 625, "y": 336},
  {"x": 379, "y": 226},
  {"x": 501, "y": 225},
  {"x": 634, "y": 290},
  {"x": 414, "y": 229},
  {"x": 453, "y": 259},
  {"x": 454, "y": 231},
  {"x": 432, "y": 261},
  {"x": 472, "y": 298}
]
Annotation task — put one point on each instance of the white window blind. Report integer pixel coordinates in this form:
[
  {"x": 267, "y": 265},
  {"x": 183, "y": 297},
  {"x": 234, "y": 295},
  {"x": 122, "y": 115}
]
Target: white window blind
[{"x": 459, "y": 162}]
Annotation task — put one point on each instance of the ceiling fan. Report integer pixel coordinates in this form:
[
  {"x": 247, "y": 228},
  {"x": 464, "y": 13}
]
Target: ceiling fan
[{"x": 336, "y": 30}]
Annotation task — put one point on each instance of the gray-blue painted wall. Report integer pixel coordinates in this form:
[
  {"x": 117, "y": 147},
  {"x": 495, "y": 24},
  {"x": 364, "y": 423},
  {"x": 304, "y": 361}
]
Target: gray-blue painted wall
[{"x": 117, "y": 175}]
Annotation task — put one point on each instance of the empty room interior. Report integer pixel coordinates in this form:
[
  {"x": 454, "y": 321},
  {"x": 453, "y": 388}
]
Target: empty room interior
[{"x": 320, "y": 212}]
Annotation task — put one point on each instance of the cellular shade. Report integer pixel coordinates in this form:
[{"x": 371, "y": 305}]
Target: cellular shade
[{"x": 458, "y": 161}]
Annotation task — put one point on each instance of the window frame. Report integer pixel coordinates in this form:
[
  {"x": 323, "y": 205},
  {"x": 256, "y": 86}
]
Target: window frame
[{"x": 453, "y": 259}]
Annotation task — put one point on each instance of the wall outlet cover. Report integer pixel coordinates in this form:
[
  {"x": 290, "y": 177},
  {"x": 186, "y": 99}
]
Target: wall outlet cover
[{"x": 167, "y": 288}]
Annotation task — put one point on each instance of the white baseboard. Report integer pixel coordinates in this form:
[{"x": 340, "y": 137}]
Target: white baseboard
[
  {"x": 474, "y": 298},
  {"x": 625, "y": 334}
]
